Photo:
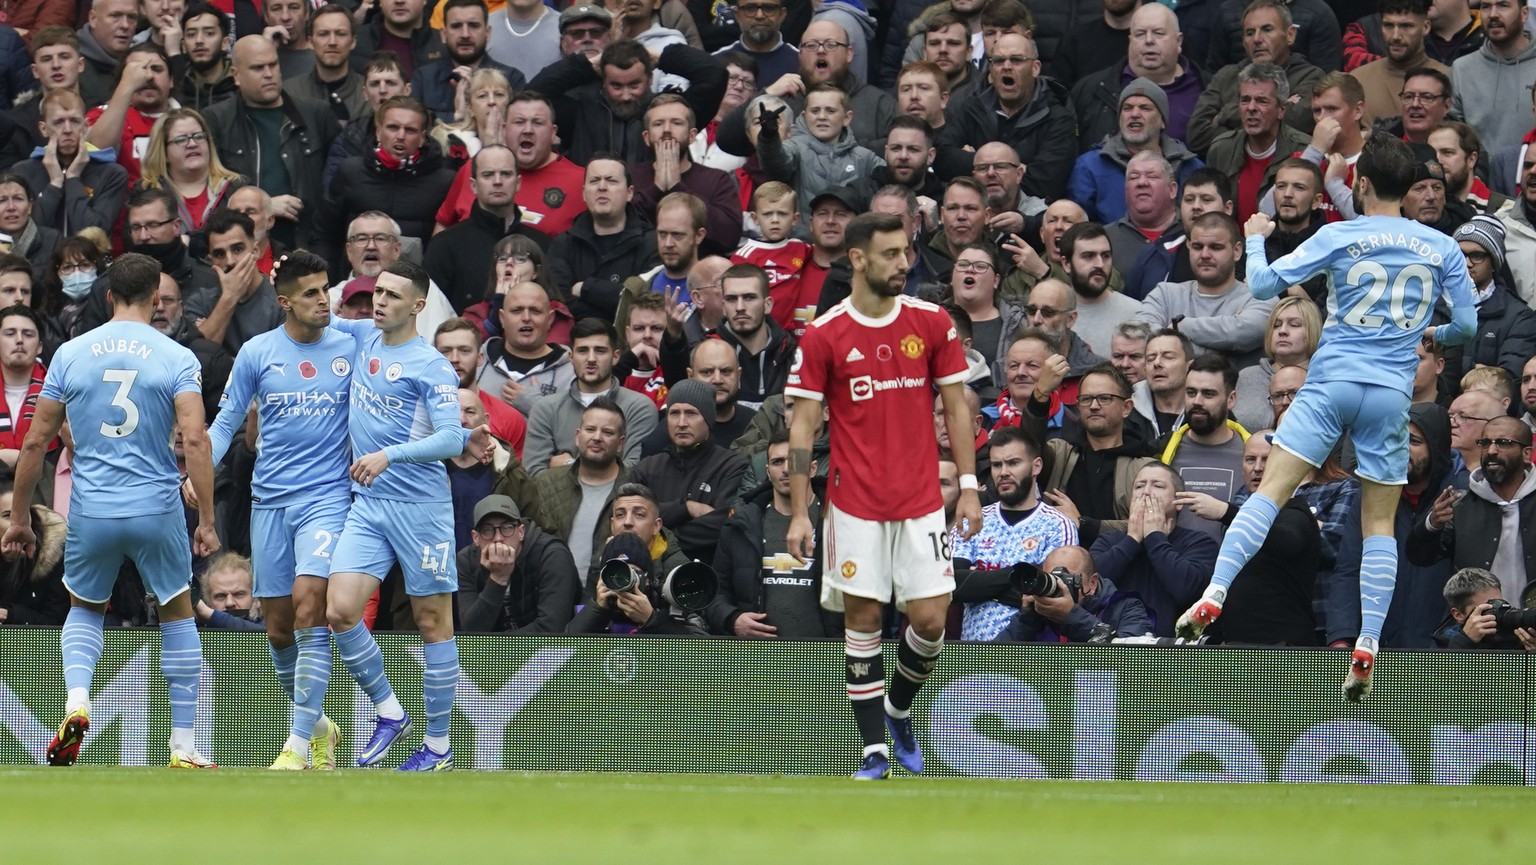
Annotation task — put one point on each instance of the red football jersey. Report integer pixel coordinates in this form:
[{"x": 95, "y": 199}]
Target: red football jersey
[
  {"x": 135, "y": 139},
  {"x": 783, "y": 262},
  {"x": 877, "y": 377},
  {"x": 550, "y": 197}
]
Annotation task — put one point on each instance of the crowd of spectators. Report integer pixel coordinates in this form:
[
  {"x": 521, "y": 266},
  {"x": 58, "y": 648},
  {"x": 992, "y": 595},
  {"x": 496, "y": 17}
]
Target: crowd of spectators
[{"x": 631, "y": 212}]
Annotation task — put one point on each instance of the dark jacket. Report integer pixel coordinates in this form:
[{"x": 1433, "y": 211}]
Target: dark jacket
[
  {"x": 1317, "y": 35},
  {"x": 589, "y": 126},
  {"x": 95, "y": 198},
  {"x": 762, "y": 375},
  {"x": 194, "y": 94},
  {"x": 593, "y": 619},
  {"x": 410, "y": 194},
  {"x": 709, "y": 474},
  {"x": 426, "y": 45},
  {"x": 461, "y": 259},
  {"x": 349, "y": 95},
  {"x": 190, "y": 274},
  {"x": 739, "y": 563},
  {"x": 1122, "y": 611},
  {"x": 1216, "y": 109},
  {"x": 99, "y": 77},
  {"x": 358, "y": 138},
  {"x": 307, "y": 133},
  {"x": 32, "y": 590},
  {"x": 1228, "y": 151},
  {"x": 15, "y": 68},
  {"x": 1506, "y": 337},
  {"x": 1270, "y": 602},
  {"x": 1063, "y": 457},
  {"x": 1417, "y": 601},
  {"x": 1167, "y": 571},
  {"x": 717, "y": 189},
  {"x": 1096, "y": 101},
  {"x": 559, "y": 493},
  {"x": 1042, "y": 133},
  {"x": 575, "y": 257},
  {"x": 873, "y": 110},
  {"x": 434, "y": 87},
  {"x": 539, "y": 598},
  {"x": 1472, "y": 538},
  {"x": 865, "y": 187}
]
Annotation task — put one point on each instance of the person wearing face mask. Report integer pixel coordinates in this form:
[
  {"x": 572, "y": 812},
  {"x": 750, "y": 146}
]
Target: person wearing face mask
[{"x": 64, "y": 287}]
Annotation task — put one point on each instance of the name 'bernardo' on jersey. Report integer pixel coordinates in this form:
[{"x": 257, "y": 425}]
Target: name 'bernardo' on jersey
[
  {"x": 1402, "y": 241},
  {"x": 104, "y": 347}
]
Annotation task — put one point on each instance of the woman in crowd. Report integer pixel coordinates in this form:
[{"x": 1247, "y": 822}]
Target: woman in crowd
[
  {"x": 181, "y": 157},
  {"x": 1290, "y": 340},
  {"x": 67, "y": 281},
  {"x": 483, "y": 109},
  {"x": 518, "y": 259}
]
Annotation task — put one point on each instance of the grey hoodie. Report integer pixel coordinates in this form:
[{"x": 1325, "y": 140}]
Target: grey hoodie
[
  {"x": 1485, "y": 88},
  {"x": 813, "y": 166},
  {"x": 1232, "y": 324},
  {"x": 1509, "y": 559},
  {"x": 861, "y": 32}
]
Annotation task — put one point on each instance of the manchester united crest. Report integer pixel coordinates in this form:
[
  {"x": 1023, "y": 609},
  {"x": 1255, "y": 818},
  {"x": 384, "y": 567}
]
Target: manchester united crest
[
  {"x": 849, "y": 569},
  {"x": 554, "y": 196},
  {"x": 912, "y": 346}
]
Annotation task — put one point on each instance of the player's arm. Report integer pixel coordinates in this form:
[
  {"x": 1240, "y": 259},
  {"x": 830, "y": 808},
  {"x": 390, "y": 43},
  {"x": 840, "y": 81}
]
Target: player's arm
[
  {"x": 1458, "y": 290},
  {"x": 958, "y": 423},
  {"x": 199, "y": 455},
  {"x": 1268, "y": 280},
  {"x": 46, "y": 420},
  {"x": 802, "y": 433},
  {"x": 238, "y": 393},
  {"x": 438, "y": 390}
]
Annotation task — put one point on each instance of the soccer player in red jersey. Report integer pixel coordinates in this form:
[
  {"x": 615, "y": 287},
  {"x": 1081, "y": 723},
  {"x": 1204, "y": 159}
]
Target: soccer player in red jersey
[{"x": 874, "y": 360}]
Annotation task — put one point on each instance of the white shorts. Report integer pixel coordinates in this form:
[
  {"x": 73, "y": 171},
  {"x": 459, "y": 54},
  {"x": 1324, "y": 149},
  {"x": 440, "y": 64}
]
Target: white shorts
[{"x": 907, "y": 559}]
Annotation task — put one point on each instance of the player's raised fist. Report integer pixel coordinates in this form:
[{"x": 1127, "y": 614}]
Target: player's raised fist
[
  {"x": 18, "y": 542},
  {"x": 968, "y": 514},
  {"x": 1258, "y": 225},
  {"x": 205, "y": 541},
  {"x": 801, "y": 538}
]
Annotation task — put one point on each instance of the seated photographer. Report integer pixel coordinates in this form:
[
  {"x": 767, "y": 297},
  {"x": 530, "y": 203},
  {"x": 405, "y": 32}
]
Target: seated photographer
[
  {"x": 1068, "y": 602},
  {"x": 764, "y": 591},
  {"x": 636, "y": 515},
  {"x": 514, "y": 577},
  {"x": 1492, "y": 524},
  {"x": 1479, "y": 617},
  {"x": 1166, "y": 564},
  {"x": 1016, "y": 528}
]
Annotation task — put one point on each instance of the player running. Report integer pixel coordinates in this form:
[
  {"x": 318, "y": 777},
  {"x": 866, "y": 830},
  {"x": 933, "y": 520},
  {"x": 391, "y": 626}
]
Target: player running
[
  {"x": 875, "y": 359},
  {"x": 1385, "y": 274},
  {"x": 403, "y": 420},
  {"x": 127, "y": 389},
  {"x": 297, "y": 377}
]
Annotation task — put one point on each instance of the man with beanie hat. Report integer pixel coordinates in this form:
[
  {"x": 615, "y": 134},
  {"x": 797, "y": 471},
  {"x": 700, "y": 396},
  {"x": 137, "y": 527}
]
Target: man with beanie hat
[
  {"x": 694, "y": 478},
  {"x": 1098, "y": 177},
  {"x": 1506, "y": 327},
  {"x": 1425, "y": 201}
]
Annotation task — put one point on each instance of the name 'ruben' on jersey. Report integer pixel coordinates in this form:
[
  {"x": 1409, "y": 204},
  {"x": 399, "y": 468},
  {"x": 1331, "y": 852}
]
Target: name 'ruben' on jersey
[
  {"x": 1385, "y": 274},
  {"x": 876, "y": 376},
  {"x": 401, "y": 393},
  {"x": 300, "y": 393},
  {"x": 119, "y": 385}
]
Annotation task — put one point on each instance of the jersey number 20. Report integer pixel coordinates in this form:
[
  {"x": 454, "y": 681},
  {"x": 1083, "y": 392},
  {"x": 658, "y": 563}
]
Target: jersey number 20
[
  {"x": 1373, "y": 274},
  {"x": 123, "y": 378}
]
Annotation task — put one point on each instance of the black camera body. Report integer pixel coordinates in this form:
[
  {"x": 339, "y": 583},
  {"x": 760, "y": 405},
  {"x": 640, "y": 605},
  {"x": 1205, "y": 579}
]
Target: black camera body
[
  {"x": 689, "y": 587},
  {"x": 1030, "y": 580},
  {"x": 1507, "y": 617}
]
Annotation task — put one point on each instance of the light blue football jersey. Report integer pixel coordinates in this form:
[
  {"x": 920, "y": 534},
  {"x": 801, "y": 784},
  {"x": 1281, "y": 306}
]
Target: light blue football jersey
[
  {"x": 1385, "y": 275},
  {"x": 300, "y": 393},
  {"x": 119, "y": 384}
]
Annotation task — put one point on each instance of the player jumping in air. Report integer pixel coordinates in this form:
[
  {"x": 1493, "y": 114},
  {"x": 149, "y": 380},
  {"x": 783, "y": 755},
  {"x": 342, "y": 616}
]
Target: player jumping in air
[
  {"x": 1385, "y": 274},
  {"x": 403, "y": 418},
  {"x": 297, "y": 377},
  {"x": 874, "y": 360},
  {"x": 127, "y": 389}
]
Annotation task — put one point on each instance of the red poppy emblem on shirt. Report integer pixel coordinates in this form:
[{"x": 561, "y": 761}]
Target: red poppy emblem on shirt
[
  {"x": 307, "y": 369},
  {"x": 373, "y": 366}
]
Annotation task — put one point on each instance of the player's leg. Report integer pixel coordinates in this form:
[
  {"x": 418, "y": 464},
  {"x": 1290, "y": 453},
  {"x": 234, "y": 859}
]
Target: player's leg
[
  {"x": 360, "y": 563},
  {"x": 314, "y": 531},
  {"x": 858, "y": 576},
  {"x": 272, "y": 569},
  {"x": 164, "y": 559},
  {"x": 1307, "y": 434},
  {"x": 91, "y": 562},
  {"x": 1381, "y": 447},
  {"x": 924, "y": 580},
  {"x": 422, "y": 538}
]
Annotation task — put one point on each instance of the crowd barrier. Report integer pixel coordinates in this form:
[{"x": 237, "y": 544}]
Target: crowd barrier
[{"x": 637, "y": 704}]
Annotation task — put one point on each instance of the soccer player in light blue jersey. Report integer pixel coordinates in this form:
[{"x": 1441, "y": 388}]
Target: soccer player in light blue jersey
[
  {"x": 403, "y": 420},
  {"x": 297, "y": 377},
  {"x": 127, "y": 389},
  {"x": 1385, "y": 274}
]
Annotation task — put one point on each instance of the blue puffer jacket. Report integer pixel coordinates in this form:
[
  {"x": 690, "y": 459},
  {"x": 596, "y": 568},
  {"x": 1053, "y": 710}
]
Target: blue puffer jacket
[
  {"x": 15, "y": 68},
  {"x": 1098, "y": 176},
  {"x": 1122, "y": 611}
]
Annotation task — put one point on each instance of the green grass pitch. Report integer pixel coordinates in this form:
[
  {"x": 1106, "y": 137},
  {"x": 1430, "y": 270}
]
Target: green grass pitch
[{"x": 160, "y": 817}]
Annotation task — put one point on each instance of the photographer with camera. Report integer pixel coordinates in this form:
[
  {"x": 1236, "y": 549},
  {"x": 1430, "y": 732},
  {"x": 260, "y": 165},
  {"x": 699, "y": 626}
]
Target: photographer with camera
[
  {"x": 650, "y": 553},
  {"x": 1493, "y": 525},
  {"x": 1066, "y": 601},
  {"x": 1480, "y": 618}
]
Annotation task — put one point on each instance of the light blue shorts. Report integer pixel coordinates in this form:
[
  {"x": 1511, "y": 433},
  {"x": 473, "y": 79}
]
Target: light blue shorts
[
  {"x": 1376, "y": 417},
  {"x": 295, "y": 541},
  {"x": 419, "y": 535},
  {"x": 94, "y": 549}
]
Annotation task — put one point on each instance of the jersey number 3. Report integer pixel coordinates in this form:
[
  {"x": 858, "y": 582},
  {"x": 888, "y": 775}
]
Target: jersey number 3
[
  {"x": 1372, "y": 274},
  {"x": 123, "y": 378}
]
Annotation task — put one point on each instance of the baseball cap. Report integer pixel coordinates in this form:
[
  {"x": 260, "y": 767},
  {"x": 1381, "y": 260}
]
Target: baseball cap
[
  {"x": 630, "y": 548},
  {"x": 356, "y": 286},
  {"x": 498, "y": 504},
  {"x": 585, "y": 12},
  {"x": 842, "y": 194}
]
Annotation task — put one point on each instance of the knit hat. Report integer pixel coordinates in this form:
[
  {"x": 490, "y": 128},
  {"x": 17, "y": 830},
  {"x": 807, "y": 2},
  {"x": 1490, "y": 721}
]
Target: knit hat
[
  {"x": 1148, "y": 88},
  {"x": 695, "y": 393},
  {"x": 1485, "y": 231},
  {"x": 630, "y": 548}
]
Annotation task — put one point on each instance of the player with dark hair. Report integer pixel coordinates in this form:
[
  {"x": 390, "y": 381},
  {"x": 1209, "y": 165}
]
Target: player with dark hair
[
  {"x": 874, "y": 360},
  {"x": 1386, "y": 273},
  {"x": 297, "y": 376},
  {"x": 127, "y": 388},
  {"x": 403, "y": 511}
]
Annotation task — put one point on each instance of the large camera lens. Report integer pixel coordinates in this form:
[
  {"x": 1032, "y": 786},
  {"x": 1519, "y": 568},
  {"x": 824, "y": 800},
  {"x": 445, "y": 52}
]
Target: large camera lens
[
  {"x": 1030, "y": 580},
  {"x": 618, "y": 575},
  {"x": 691, "y": 587},
  {"x": 1508, "y": 617}
]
